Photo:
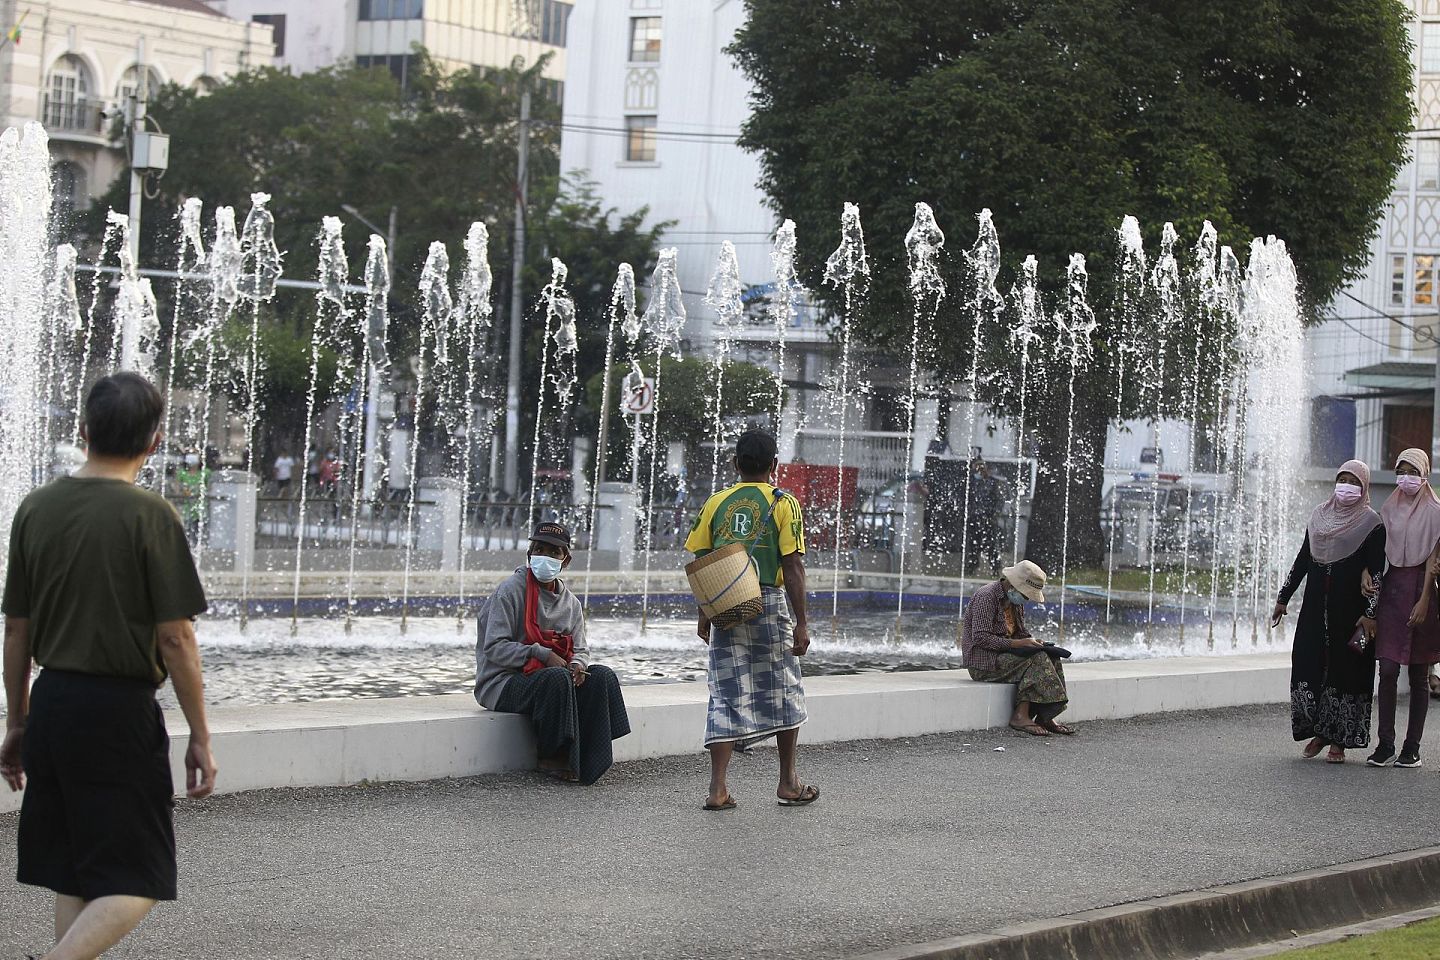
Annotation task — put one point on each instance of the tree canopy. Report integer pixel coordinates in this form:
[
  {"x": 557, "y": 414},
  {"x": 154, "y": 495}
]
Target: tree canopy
[
  {"x": 441, "y": 152},
  {"x": 1063, "y": 116}
]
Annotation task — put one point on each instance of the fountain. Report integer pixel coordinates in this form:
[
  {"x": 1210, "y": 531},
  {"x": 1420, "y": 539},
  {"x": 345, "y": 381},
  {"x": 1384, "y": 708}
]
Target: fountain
[{"x": 1241, "y": 383}]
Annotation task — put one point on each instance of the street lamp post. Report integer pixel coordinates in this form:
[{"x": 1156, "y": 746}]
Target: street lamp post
[{"x": 372, "y": 401}]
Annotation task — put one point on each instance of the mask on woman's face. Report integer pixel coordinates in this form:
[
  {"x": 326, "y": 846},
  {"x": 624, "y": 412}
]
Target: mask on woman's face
[
  {"x": 1015, "y": 597},
  {"x": 545, "y": 569},
  {"x": 1347, "y": 493},
  {"x": 1410, "y": 484}
]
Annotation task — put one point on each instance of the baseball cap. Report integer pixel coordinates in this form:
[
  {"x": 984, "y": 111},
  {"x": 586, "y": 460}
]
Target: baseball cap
[{"x": 548, "y": 531}]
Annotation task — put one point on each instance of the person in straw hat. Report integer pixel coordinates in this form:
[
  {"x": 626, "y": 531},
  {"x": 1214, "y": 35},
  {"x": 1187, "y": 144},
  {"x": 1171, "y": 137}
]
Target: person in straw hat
[
  {"x": 998, "y": 649},
  {"x": 754, "y": 673}
]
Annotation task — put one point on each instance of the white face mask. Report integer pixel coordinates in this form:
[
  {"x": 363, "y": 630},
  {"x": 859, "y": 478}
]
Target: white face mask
[
  {"x": 545, "y": 569},
  {"x": 1410, "y": 484},
  {"x": 1347, "y": 493}
]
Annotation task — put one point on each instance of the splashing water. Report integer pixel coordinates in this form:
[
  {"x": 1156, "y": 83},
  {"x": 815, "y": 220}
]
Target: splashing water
[
  {"x": 1165, "y": 279},
  {"x": 923, "y": 243},
  {"x": 664, "y": 319},
  {"x": 622, "y": 315},
  {"x": 788, "y": 291},
  {"x": 255, "y": 281},
  {"x": 189, "y": 261},
  {"x": 559, "y": 345},
  {"x": 437, "y": 306},
  {"x": 1130, "y": 282},
  {"x": 332, "y": 320},
  {"x": 724, "y": 297},
  {"x": 1076, "y": 324},
  {"x": 374, "y": 360},
  {"x": 64, "y": 323},
  {"x": 1024, "y": 336},
  {"x": 1204, "y": 278},
  {"x": 473, "y": 314},
  {"x": 983, "y": 264},
  {"x": 848, "y": 268}
]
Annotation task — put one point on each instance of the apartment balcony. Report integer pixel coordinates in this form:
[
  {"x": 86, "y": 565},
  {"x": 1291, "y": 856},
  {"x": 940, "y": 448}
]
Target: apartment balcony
[{"x": 80, "y": 120}]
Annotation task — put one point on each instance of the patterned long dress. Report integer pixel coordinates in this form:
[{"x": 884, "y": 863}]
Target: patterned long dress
[{"x": 1332, "y": 686}]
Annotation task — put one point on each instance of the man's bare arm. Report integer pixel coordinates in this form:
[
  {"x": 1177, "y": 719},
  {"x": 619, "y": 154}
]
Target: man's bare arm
[
  {"x": 17, "y": 699},
  {"x": 793, "y": 567},
  {"x": 181, "y": 654}
]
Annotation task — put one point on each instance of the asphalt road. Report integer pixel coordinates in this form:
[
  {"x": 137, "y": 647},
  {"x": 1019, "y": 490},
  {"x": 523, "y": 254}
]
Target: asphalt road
[{"x": 911, "y": 840}]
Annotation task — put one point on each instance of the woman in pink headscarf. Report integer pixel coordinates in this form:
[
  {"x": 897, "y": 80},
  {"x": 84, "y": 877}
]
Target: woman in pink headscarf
[
  {"x": 1409, "y": 631},
  {"x": 1331, "y": 681}
]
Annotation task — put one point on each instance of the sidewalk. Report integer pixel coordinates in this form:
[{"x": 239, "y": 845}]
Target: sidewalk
[{"x": 912, "y": 840}]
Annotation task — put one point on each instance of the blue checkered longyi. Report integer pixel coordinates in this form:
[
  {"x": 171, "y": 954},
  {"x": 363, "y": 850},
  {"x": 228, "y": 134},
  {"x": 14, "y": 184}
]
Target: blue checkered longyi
[{"x": 755, "y": 683}]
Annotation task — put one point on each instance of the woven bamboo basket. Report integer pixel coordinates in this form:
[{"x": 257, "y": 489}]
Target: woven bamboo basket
[{"x": 726, "y": 586}]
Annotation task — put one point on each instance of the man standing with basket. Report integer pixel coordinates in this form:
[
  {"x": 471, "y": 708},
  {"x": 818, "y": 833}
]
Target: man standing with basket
[{"x": 750, "y": 543}]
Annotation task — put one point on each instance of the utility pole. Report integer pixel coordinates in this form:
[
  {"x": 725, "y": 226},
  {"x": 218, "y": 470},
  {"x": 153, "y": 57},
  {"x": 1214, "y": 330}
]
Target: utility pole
[
  {"x": 137, "y": 127},
  {"x": 517, "y": 304}
]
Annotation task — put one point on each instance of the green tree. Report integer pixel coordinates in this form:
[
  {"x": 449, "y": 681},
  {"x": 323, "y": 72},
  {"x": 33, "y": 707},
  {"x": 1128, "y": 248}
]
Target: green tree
[
  {"x": 1062, "y": 116},
  {"x": 442, "y": 153}
]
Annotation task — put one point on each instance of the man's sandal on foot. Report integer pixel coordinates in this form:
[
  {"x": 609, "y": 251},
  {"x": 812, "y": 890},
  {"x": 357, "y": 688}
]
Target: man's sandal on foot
[
  {"x": 1313, "y": 748},
  {"x": 1032, "y": 728},
  {"x": 1060, "y": 728},
  {"x": 727, "y": 804},
  {"x": 808, "y": 794}
]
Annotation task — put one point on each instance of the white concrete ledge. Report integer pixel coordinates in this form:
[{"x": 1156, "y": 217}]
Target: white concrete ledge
[{"x": 340, "y": 742}]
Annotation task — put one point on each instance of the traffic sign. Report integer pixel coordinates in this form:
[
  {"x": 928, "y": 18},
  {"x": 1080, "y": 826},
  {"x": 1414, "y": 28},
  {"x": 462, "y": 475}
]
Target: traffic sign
[{"x": 638, "y": 396}]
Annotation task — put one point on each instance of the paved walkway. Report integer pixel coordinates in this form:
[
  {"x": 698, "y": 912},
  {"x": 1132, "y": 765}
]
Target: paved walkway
[{"x": 910, "y": 841}]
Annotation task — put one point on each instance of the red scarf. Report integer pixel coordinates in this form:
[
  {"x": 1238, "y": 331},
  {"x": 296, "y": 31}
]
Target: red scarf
[{"x": 561, "y": 643}]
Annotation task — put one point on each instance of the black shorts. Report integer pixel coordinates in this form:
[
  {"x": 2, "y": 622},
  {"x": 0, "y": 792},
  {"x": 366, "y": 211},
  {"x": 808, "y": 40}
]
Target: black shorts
[{"x": 97, "y": 816}]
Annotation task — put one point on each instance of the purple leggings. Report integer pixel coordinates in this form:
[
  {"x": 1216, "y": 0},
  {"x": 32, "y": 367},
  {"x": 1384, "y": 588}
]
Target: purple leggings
[{"x": 1419, "y": 701}]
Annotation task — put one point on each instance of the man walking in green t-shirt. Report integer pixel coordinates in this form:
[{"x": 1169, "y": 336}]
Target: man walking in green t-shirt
[
  {"x": 100, "y": 591},
  {"x": 755, "y": 686}
]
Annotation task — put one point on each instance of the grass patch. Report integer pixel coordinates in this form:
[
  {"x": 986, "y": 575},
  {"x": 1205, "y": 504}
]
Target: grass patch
[{"x": 1418, "y": 941}]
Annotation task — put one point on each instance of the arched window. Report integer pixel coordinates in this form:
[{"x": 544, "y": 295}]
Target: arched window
[
  {"x": 68, "y": 191},
  {"x": 131, "y": 80},
  {"x": 67, "y": 95},
  {"x": 204, "y": 85}
]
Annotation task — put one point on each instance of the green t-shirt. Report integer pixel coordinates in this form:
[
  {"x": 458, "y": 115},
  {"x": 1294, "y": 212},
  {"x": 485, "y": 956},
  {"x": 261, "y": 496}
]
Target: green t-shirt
[
  {"x": 733, "y": 516},
  {"x": 95, "y": 564}
]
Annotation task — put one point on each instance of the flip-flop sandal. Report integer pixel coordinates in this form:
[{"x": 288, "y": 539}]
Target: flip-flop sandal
[
  {"x": 727, "y": 804},
  {"x": 1061, "y": 729},
  {"x": 808, "y": 794},
  {"x": 1313, "y": 748},
  {"x": 1333, "y": 757},
  {"x": 1034, "y": 729}
]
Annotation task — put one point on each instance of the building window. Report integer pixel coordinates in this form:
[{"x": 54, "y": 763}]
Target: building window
[
  {"x": 553, "y": 90},
  {"x": 644, "y": 39},
  {"x": 1406, "y": 427},
  {"x": 555, "y": 22},
  {"x": 67, "y": 100},
  {"x": 392, "y": 9},
  {"x": 399, "y": 65},
  {"x": 640, "y": 139},
  {"x": 1427, "y": 164},
  {"x": 277, "y": 24},
  {"x": 1430, "y": 48},
  {"x": 130, "y": 84},
  {"x": 1397, "y": 281},
  {"x": 1425, "y": 279},
  {"x": 642, "y": 88}
]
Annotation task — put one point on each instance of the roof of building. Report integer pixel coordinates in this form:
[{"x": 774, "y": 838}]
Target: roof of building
[
  {"x": 193, "y": 6},
  {"x": 1393, "y": 374}
]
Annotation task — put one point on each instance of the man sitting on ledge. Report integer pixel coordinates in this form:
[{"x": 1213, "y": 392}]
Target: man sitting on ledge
[
  {"x": 531, "y": 658},
  {"x": 998, "y": 649}
]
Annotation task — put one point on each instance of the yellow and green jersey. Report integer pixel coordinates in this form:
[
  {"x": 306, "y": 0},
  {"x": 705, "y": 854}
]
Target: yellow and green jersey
[{"x": 733, "y": 516}]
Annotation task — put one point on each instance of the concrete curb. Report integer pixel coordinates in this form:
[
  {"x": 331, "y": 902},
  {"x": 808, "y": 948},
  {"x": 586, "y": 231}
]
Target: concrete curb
[
  {"x": 341, "y": 742},
  {"x": 1187, "y": 925}
]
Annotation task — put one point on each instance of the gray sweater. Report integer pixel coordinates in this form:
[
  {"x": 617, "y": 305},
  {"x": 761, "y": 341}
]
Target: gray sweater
[{"x": 500, "y": 647}]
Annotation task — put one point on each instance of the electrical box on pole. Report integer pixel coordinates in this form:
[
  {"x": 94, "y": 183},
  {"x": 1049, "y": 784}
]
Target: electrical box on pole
[{"x": 150, "y": 152}]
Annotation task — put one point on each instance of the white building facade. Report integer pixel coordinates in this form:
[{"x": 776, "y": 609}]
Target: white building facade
[
  {"x": 1372, "y": 362},
  {"x": 311, "y": 34},
  {"x": 78, "y": 62}
]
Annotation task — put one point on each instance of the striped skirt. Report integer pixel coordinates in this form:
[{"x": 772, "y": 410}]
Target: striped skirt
[{"x": 755, "y": 684}]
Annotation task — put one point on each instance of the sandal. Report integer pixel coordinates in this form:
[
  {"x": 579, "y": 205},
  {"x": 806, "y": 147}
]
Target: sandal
[
  {"x": 727, "y": 804},
  {"x": 1032, "y": 728},
  {"x": 808, "y": 794},
  {"x": 1336, "y": 755},
  {"x": 1313, "y": 748},
  {"x": 1060, "y": 728}
]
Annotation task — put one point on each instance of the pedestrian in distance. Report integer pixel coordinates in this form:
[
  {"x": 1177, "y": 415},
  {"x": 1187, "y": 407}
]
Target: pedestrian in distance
[
  {"x": 531, "y": 658},
  {"x": 284, "y": 472},
  {"x": 1332, "y": 662},
  {"x": 1408, "y": 630},
  {"x": 100, "y": 591},
  {"x": 997, "y": 648},
  {"x": 756, "y": 690}
]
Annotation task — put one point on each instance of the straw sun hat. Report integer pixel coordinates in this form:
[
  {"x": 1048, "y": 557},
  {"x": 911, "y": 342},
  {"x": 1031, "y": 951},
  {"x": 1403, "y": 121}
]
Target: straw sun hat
[{"x": 1027, "y": 577}]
